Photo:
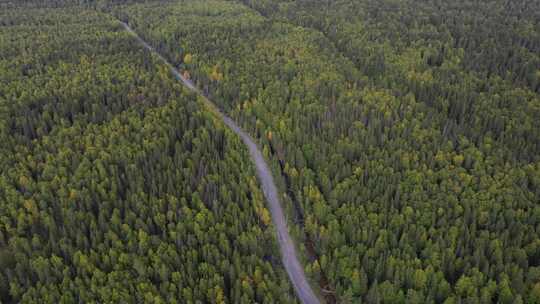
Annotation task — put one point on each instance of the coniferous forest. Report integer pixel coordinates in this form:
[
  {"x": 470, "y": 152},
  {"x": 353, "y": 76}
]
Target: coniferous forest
[
  {"x": 403, "y": 137},
  {"x": 116, "y": 186}
]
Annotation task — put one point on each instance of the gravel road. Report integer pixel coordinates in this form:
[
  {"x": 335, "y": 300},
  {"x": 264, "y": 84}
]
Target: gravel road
[{"x": 289, "y": 256}]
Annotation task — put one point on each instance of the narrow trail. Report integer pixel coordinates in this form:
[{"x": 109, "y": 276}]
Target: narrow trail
[{"x": 288, "y": 252}]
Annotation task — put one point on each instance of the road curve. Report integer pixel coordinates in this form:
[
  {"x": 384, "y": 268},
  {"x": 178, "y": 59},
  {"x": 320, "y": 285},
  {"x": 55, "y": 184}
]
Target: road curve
[{"x": 288, "y": 252}]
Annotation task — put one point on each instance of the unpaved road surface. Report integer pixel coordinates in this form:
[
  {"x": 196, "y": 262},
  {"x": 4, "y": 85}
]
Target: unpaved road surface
[{"x": 288, "y": 251}]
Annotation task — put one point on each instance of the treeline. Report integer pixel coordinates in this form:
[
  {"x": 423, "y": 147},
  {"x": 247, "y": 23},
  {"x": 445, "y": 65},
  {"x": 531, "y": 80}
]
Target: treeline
[
  {"x": 115, "y": 185},
  {"x": 412, "y": 172}
]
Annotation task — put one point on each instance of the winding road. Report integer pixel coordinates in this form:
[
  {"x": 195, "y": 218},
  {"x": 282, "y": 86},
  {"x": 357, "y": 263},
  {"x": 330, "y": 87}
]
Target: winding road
[{"x": 288, "y": 252}]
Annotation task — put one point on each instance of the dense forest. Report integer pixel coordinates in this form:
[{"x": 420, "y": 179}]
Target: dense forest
[
  {"x": 406, "y": 133},
  {"x": 116, "y": 185},
  {"x": 404, "y": 136}
]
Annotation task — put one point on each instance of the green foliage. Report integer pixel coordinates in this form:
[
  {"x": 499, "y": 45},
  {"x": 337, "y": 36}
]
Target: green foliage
[
  {"x": 405, "y": 136},
  {"x": 115, "y": 185},
  {"x": 408, "y": 149}
]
